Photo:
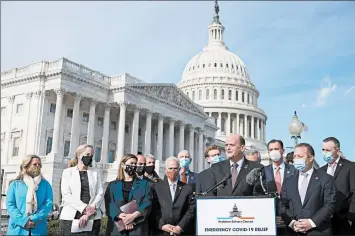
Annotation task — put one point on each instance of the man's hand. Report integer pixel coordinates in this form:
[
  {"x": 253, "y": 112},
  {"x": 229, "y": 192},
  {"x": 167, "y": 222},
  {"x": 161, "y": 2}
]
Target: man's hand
[
  {"x": 129, "y": 218},
  {"x": 129, "y": 227},
  {"x": 303, "y": 225},
  {"x": 90, "y": 210},
  {"x": 30, "y": 224},
  {"x": 279, "y": 220},
  {"x": 177, "y": 229},
  {"x": 167, "y": 228},
  {"x": 83, "y": 221}
]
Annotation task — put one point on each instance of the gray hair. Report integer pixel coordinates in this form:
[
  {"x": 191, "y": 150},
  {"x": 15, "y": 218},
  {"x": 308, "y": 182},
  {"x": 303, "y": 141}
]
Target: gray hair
[
  {"x": 149, "y": 156},
  {"x": 183, "y": 151},
  {"x": 172, "y": 158},
  {"x": 252, "y": 152}
]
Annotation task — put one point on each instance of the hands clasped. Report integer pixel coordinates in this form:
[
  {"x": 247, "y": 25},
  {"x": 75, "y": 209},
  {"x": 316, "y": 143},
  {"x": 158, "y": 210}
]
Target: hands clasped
[
  {"x": 127, "y": 220},
  {"x": 30, "y": 224},
  {"x": 302, "y": 226},
  {"x": 173, "y": 230}
]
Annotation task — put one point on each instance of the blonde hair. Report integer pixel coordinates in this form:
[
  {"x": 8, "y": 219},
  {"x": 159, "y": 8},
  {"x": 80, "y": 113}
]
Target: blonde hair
[
  {"x": 25, "y": 164},
  {"x": 79, "y": 150},
  {"x": 124, "y": 159}
]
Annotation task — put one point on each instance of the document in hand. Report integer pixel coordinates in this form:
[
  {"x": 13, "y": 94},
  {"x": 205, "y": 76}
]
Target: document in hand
[
  {"x": 76, "y": 229},
  {"x": 128, "y": 208}
]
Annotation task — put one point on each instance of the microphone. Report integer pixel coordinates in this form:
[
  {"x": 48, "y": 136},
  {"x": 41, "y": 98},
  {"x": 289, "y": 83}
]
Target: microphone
[
  {"x": 254, "y": 175},
  {"x": 222, "y": 182}
]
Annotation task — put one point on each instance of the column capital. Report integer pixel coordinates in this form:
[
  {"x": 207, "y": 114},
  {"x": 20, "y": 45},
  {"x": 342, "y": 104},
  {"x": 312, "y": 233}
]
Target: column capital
[
  {"x": 107, "y": 106},
  {"x": 77, "y": 97},
  {"x": 200, "y": 131},
  {"x": 122, "y": 105},
  {"x": 60, "y": 92},
  {"x": 47, "y": 93},
  {"x": 11, "y": 99},
  {"x": 182, "y": 123},
  {"x": 190, "y": 127},
  {"x": 146, "y": 111},
  {"x": 161, "y": 117},
  {"x": 37, "y": 94},
  {"x": 93, "y": 101},
  {"x": 171, "y": 120},
  {"x": 28, "y": 95}
]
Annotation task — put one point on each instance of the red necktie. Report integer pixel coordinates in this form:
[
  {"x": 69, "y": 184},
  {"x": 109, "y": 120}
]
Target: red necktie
[{"x": 278, "y": 179}]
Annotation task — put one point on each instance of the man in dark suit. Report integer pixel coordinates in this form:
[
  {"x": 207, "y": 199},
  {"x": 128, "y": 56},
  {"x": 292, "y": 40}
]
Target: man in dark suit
[
  {"x": 308, "y": 198},
  {"x": 238, "y": 166},
  {"x": 212, "y": 156},
  {"x": 343, "y": 172},
  {"x": 176, "y": 204},
  {"x": 186, "y": 175}
]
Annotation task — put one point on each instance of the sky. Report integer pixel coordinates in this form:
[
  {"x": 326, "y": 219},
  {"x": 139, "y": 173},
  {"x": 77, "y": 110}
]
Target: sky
[{"x": 300, "y": 55}]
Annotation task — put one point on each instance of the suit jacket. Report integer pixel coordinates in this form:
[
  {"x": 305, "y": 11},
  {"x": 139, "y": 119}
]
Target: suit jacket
[
  {"x": 344, "y": 177},
  {"x": 180, "y": 211},
  {"x": 241, "y": 188},
  {"x": 191, "y": 178},
  {"x": 203, "y": 181},
  {"x": 141, "y": 192},
  {"x": 71, "y": 189},
  {"x": 269, "y": 173},
  {"x": 318, "y": 205}
]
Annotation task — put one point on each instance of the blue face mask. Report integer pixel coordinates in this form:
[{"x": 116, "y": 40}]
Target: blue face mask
[
  {"x": 216, "y": 159},
  {"x": 328, "y": 157},
  {"x": 184, "y": 162},
  {"x": 299, "y": 164}
]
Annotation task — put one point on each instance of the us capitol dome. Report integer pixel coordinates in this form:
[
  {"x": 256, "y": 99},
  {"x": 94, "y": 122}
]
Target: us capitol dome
[{"x": 218, "y": 80}]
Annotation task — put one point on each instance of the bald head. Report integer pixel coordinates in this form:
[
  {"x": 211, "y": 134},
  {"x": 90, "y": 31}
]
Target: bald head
[
  {"x": 234, "y": 147},
  {"x": 140, "y": 160}
]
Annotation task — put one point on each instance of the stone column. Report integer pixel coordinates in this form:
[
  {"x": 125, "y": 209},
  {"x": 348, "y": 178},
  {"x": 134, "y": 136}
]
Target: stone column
[
  {"x": 228, "y": 131},
  {"x": 252, "y": 127},
  {"x": 105, "y": 134},
  {"x": 91, "y": 125},
  {"x": 240, "y": 96},
  {"x": 257, "y": 129},
  {"x": 234, "y": 91},
  {"x": 264, "y": 128},
  {"x": 27, "y": 105},
  {"x": 160, "y": 138},
  {"x": 201, "y": 149},
  {"x": 121, "y": 132},
  {"x": 245, "y": 126},
  {"x": 34, "y": 117},
  {"x": 57, "y": 121},
  {"x": 10, "y": 108},
  {"x": 75, "y": 127},
  {"x": 182, "y": 136},
  {"x": 171, "y": 137},
  {"x": 191, "y": 145},
  {"x": 238, "y": 125},
  {"x": 219, "y": 123},
  {"x": 135, "y": 128},
  {"x": 148, "y": 133}
]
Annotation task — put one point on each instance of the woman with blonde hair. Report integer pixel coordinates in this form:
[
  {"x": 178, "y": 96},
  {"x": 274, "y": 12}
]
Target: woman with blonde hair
[
  {"x": 29, "y": 200},
  {"x": 82, "y": 194},
  {"x": 125, "y": 189}
]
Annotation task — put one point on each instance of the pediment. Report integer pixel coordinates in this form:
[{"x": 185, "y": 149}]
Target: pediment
[{"x": 170, "y": 94}]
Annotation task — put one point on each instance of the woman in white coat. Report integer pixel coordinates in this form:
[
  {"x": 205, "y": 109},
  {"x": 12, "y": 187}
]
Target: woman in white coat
[{"x": 82, "y": 194}]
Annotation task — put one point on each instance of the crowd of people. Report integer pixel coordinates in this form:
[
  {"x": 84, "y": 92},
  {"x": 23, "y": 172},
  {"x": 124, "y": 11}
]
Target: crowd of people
[{"x": 309, "y": 201}]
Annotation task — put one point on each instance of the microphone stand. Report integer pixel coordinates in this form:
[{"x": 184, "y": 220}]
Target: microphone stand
[{"x": 217, "y": 186}]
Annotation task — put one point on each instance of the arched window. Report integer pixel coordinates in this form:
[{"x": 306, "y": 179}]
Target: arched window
[
  {"x": 222, "y": 94},
  {"x": 200, "y": 94},
  {"x": 215, "y": 94},
  {"x": 236, "y": 95},
  {"x": 215, "y": 64},
  {"x": 230, "y": 94},
  {"x": 243, "y": 97},
  {"x": 193, "y": 95},
  {"x": 112, "y": 152},
  {"x": 98, "y": 145},
  {"x": 248, "y": 98},
  {"x": 207, "y": 94}
]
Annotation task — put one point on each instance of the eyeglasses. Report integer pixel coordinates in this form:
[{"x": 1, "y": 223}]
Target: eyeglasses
[
  {"x": 184, "y": 157},
  {"x": 36, "y": 164}
]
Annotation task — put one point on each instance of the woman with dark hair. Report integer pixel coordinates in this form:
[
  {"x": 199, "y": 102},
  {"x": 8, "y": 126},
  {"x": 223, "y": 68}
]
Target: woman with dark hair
[
  {"x": 82, "y": 194},
  {"x": 29, "y": 200},
  {"x": 123, "y": 190}
]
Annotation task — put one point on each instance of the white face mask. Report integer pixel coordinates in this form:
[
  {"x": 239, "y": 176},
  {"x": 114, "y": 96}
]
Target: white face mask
[{"x": 275, "y": 155}]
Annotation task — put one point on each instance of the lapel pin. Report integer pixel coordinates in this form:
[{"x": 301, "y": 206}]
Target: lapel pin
[
  {"x": 316, "y": 177},
  {"x": 288, "y": 172},
  {"x": 340, "y": 164},
  {"x": 245, "y": 166},
  {"x": 180, "y": 187}
]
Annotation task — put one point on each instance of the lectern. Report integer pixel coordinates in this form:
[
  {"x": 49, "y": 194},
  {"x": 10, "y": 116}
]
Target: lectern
[{"x": 236, "y": 215}]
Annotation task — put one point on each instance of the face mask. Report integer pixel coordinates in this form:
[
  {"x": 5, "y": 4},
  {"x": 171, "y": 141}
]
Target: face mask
[
  {"x": 34, "y": 171},
  {"x": 184, "y": 162},
  {"x": 172, "y": 176},
  {"x": 87, "y": 160},
  {"x": 216, "y": 159},
  {"x": 130, "y": 170},
  {"x": 149, "y": 169},
  {"x": 275, "y": 155},
  {"x": 299, "y": 164},
  {"x": 328, "y": 157},
  {"x": 140, "y": 170}
]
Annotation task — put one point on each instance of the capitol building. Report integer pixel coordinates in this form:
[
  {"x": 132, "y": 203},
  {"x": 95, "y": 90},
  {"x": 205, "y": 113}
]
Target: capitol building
[{"x": 48, "y": 108}]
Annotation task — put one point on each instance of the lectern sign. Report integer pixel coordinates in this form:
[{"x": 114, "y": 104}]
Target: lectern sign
[{"x": 238, "y": 216}]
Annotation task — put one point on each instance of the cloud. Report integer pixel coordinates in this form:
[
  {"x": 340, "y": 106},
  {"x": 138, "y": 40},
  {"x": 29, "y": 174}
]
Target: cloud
[
  {"x": 327, "y": 88},
  {"x": 349, "y": 90}
]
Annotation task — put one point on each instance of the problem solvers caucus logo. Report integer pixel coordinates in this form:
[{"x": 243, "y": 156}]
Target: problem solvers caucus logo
[{"x": 235, "y": 216}]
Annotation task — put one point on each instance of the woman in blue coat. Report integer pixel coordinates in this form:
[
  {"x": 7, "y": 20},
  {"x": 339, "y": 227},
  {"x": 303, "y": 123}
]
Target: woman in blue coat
[
  {"x": 123, "y": 190},
  {"x": 29, "y": 200}
]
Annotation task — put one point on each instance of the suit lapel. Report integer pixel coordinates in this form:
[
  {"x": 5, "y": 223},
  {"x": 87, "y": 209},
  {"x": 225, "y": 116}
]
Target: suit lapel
[
  {"x": 226, "y": 168},
  {"x": 312, "y": 183},
  {"x": 90, "y": 179},
  {"x": 166, "y": 188},
  {"x": 338, "y": 168},
  {"x": 135, "y": 186},
  {"x": 191, "y": 178},
  {"x": 288, "y": 171},
  {"x": 76, "y": 181},
  {"x": 292, "y": 185},
  {"x": 178, "y": 190},
  {"x": 242, "y": 173},
  {"x": 269, "y": 173}
]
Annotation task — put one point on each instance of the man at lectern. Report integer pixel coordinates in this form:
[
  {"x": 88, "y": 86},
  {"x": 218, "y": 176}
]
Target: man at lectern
[
  {"x": 308, "y": 198},
  {"x": 237, "y": 167}
]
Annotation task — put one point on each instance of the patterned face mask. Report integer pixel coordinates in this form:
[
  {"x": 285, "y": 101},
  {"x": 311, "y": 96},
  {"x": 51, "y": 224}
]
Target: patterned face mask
[
  {"x": 34, "y": 171},
  {"x": 130, "y": 170}
]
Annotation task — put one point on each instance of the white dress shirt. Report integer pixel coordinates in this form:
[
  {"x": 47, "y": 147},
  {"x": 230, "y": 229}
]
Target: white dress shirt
[
  {"x": 172, "y": 187},
  {"x": 332, "y": 167},
  {"x": 282, "y": 171},
  {"x": 240, "y": 163}
]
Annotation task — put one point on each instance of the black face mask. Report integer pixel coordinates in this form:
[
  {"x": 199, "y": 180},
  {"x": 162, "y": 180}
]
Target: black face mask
[
  {"x": 140, "y": 170},
  {"x": 130, "y": 170},
  {"x": 149, "y": 169},
  {"x": 87, "y": 160}
]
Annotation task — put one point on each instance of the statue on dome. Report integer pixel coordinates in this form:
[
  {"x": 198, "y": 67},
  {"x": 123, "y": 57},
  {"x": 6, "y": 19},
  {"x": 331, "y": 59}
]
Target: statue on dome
[{"x": 216, "y": 7}]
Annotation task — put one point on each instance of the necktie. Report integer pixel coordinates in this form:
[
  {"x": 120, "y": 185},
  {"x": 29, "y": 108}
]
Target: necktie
[
  {"x": 304, "y": 185},
  {"x": 278, "y": 179},
  {"x": 184, "y": 177},
  {"x": 172, "y": 191},
  {"x": 234, "y": 173},
  {"x": 331, "y": 168}
]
